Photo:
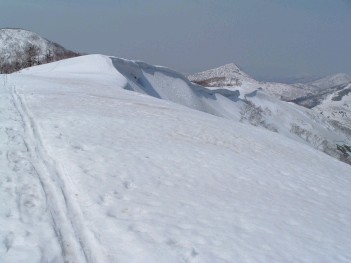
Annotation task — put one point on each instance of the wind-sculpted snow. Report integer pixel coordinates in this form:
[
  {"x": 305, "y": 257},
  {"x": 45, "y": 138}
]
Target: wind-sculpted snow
[
  {"x": 163, "y": 83},
  {"x": 120, "y": 176}
]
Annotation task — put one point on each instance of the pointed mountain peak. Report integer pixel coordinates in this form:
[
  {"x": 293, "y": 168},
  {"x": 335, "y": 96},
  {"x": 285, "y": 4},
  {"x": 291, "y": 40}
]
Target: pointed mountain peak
[
  {"x": 226, "y": 75},
  {"x": 230, "y": 67},
  {"x": 230, "y": 70}
]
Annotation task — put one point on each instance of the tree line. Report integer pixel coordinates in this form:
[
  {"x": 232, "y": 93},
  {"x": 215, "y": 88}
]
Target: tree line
[{"x": 31, "y": 56}]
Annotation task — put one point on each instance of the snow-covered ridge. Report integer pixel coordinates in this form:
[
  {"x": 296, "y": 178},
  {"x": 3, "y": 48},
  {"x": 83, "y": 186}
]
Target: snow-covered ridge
[
  {"x": 331, "y": 81},
  {"x": 249, "y": 105},
  {"x": 334, "y": 93},
  {"x": 92, "y": 172}
]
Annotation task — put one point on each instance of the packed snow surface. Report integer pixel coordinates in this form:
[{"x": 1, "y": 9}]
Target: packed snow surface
[{"x": 92, "y": 172}]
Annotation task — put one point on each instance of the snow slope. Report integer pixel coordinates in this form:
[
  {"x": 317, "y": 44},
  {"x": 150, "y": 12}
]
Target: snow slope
[{"x": 96, "y": 173}]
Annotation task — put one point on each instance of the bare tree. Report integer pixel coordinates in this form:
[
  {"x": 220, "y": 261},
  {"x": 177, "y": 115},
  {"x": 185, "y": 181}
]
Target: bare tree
[
  {"x": 31, "y": 55},
  {"x": 49, "y": 56}
]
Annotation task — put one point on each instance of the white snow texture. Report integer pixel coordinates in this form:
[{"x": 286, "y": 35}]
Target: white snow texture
[{"x": 109, "y": 160}]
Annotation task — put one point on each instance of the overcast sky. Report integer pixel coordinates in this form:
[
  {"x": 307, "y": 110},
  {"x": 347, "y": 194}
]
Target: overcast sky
[{"x": 267, "y": 38}]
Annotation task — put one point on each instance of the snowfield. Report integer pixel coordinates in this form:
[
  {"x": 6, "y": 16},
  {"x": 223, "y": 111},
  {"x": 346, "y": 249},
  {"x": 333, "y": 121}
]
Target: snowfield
[{"x": 92, "y": 171}]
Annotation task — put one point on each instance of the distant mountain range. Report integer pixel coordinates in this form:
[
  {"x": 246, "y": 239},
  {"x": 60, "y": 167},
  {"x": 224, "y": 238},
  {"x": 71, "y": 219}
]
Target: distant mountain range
[
  {"x": 331, "y": 81},
  {"x": 232, "y": 76}
]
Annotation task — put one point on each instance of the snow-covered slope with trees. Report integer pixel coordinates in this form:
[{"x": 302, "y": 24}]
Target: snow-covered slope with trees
[
  {"x": 92, "y": 172},
  {"x": 333, "y": 102},
  {"x": 337, "y": 106},
  {"x": 331, "y": 81},
  {"x": 20, "y": 48}
]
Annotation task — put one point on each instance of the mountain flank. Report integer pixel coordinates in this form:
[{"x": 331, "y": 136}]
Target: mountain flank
[{"x": 20, "y": 49}]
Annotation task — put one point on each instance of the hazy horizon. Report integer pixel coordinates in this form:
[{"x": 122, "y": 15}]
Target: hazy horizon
[{"x": 270, "y": 40}]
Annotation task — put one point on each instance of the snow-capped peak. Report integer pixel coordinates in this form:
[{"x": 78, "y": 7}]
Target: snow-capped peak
[
  {"x": 229, "y": 68},
  {"x": 227, "y": 75}
]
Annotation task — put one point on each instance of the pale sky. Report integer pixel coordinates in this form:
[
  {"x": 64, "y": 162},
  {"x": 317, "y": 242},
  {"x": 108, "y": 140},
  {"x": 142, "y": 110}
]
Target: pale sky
[{"x": 269, "y": 39}]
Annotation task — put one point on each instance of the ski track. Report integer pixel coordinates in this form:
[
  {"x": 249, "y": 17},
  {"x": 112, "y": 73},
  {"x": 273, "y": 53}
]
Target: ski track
[
  {"x": 23, "y": 207},
  {"x": 77, "y": 243}
]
